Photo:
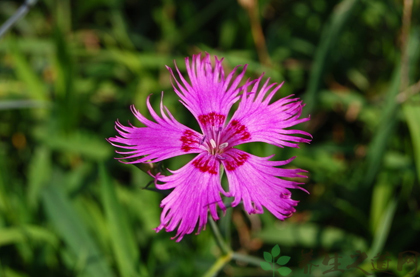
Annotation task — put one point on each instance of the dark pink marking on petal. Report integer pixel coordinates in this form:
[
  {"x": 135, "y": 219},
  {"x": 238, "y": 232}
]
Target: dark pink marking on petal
[
  {"x": 241, "y": 132},
  {"x": 212, "y": 119},
  {"x": 236, "y": 161},
  {"x": 205, "y": 164},
  {"x": 189, "y": 140}
]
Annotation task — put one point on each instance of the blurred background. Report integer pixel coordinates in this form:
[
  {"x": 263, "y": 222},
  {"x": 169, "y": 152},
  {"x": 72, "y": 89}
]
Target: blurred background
[{"x": 69, "y": 69}]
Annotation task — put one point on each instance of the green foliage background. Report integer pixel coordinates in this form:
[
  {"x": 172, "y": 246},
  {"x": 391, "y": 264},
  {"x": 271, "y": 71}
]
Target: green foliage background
[{"x": 69, "y": 69}]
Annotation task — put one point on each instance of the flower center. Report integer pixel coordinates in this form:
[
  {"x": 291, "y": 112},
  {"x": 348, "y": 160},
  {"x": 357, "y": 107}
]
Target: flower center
[
  {"x": 215, "y": 149},
  {"x": 214, "y": 143}
]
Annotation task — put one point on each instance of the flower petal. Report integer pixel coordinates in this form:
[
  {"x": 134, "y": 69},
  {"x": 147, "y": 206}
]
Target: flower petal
[
  {"x": 258, "y": 120},
  {"x": 209, "y": 93},
  {"x": 158, "y": 141},
  {"x": 254, "y": 181},
  {"x": 197, "y": 190}
]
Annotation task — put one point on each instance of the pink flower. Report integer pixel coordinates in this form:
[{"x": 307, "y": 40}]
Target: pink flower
[{"x": 253, "y": 180}]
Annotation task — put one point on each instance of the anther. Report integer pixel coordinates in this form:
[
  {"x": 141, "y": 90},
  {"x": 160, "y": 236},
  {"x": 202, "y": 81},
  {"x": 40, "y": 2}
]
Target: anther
[
  {"x": 223, "y": 145},
  {"x": 213, "y": 143}
]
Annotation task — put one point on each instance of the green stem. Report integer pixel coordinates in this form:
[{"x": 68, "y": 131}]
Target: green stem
[
  {"x": 218, "y": 265},
  {"x": 219, "y": 239},
  {"x": 247, "y": 259},
  {"x": 23, "y": 9},
  {"x": 226, "y": 221}
]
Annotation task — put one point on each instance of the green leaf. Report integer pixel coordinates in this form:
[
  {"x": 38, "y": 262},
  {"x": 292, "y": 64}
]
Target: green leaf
[
  {"x": 23, "y": 234},
  {"x": 79, "y": 142},
  {"x": 284, "y": 271},
  {"x": 381, "y": 195},
  {"x": 23, "y": 104},
  {"x": 412, "y": 114},
  {"x": 389, "y": 117},
  {"x": 35, "y": 87},
  {"x": 330, "y": 35},
  {"x": 275, "y": 251},
  {"x": 384, "y": 226},
  {"x": 265, "y": 266},
  {"x": 11, "y": 272},
  {"x": 268, "y": 257},
  {"x": 122, "y": 237},
  {"x": 39, "y": 174},
  {"x": 74, "y": 232},
  {"x": 283, "y": 260}
]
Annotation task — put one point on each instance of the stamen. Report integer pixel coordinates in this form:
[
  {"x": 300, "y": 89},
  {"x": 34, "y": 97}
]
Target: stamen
[
  {"x": 213, "y": 143},
  {"x": 220, "y": 157},
  {"x": 223, "y": 145}
]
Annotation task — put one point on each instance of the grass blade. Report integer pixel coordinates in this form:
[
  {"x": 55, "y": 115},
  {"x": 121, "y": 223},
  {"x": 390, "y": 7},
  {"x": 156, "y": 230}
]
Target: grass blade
[
  {"x": 382, "y": 231},
  {"x": 36, "y": 89},
  {"x": 381, "y": 196},
  {"x": 122, "y": 238},
  {"x": 389, "y": 117},
  {"x": 412, "y": 115},
  {"x": 39, "y": 174},
  {"x": 13, "y": 235},
  {"x": 22, "y": 104},
  {"x": 329, "y": 37},
  {"x": 73, "y": 231}
]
